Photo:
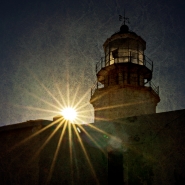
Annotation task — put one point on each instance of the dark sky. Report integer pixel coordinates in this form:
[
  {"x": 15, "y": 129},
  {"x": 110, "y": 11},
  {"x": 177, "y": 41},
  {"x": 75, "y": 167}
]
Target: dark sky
[{"x": 49, "y": 49}]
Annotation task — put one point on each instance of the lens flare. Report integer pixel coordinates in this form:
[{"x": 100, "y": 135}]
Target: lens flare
[{"x": 69, "y": 113}]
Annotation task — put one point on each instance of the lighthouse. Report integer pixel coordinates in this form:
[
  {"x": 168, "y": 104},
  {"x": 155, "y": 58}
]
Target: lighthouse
[{"x": 124, "y": 87}]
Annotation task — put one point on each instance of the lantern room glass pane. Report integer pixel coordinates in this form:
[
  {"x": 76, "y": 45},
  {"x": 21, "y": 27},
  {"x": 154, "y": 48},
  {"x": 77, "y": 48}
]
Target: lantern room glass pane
[{"x": 124, "y": 50}]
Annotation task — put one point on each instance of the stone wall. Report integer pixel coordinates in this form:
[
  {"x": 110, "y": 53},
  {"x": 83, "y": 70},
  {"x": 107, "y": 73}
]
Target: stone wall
[
  {"x": 150, "y": 150},
  {"x": 152, "y": 146},
  {"x": 123, "y": 101}
]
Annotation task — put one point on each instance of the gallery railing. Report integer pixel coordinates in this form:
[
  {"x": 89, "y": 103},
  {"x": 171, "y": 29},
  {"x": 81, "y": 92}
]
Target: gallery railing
[
  {"x": 124, "y": 57},
  {"x": 149, "y": 84}
]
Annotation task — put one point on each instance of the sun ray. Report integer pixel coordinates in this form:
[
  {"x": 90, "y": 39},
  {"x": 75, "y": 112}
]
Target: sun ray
[
  {"x": 69, "y": 113},
  {"x": 74, "y": 97},
  {"x": 76, "y": 163},
  {"x": 110, "y": 135},
  {"x": 99, "y": 130},
  {"x": 67, "y": 87},
  {"x": 119, "y": 105},
  {"x": 22, "y": 142},
  {"x": 36, "y": 108},
  {"x": 64, "y": 103},
  {"x": 56, "y": 153},
  {"x": 82, "y": 116},
  {"x": 81, "y": 99},
  {"x": 43, "y": 86},
  {"x": 35, "y": 134},
  {"x": 98, "y": 97},
  {"x": 70, "y": 141},
  {"x": 70, "y": 149},
  {"x": 101, "y": 119},
  {"x": 85, "y": 153},
  {"x": 47, "y": 140},
  {"x": 82, "y": 106},
  {"x": 81, "y": 110},
  {"x": 77, "y": 106},
  {"x": 43, "y": 100},
  {"x": 98, "y": 146},
  {"x": 78, "y": 120}
]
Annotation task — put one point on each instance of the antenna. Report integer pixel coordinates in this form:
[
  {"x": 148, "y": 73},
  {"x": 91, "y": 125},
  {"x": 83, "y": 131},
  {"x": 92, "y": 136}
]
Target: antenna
[{"x": 125, "y": 19}]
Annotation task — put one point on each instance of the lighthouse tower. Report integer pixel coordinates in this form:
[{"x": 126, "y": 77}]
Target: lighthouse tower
[{"x": 124, "y": 87}]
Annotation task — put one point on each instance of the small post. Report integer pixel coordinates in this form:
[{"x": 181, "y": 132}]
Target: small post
[{"x": 109, "y": 58}]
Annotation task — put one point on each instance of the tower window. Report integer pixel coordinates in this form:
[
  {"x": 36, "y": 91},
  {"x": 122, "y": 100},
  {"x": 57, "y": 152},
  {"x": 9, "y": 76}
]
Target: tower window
[{"x": 115, "y": 53}]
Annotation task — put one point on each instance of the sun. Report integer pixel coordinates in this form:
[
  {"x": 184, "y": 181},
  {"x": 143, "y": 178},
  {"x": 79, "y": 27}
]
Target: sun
[{"x": 69, "y": 113}]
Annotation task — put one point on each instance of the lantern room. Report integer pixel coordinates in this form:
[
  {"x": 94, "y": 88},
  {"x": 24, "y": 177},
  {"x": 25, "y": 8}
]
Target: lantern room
[
  {"x": 123, "y": 46},
  {"x": 124, "y": 61}
]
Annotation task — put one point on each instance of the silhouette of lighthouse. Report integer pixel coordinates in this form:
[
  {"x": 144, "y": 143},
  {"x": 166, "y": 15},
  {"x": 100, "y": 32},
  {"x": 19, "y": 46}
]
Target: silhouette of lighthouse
[{"x": 124, "y": 87}]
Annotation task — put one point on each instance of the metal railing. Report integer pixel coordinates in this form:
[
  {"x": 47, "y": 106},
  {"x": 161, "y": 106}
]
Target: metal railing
[
  {"x": 153, "y": 87},
  {"x": 97, "y": 85},
  {"x": 150, "y": 84},
  {"x": 125, "y": 57}
]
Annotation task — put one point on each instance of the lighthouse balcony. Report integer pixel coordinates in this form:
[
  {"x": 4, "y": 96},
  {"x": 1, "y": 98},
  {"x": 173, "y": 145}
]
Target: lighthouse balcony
[
  {"x": 124, "y": 57},
  {"x": 147, "y": 85}
]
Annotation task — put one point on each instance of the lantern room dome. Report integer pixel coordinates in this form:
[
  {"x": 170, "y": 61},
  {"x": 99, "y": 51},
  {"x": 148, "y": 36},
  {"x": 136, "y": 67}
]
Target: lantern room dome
[{"x": 124, "y": 29}]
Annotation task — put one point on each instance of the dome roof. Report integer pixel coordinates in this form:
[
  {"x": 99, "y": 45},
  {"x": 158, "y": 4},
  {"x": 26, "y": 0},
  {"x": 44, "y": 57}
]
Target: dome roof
[{"x": 124, "y": 29}]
